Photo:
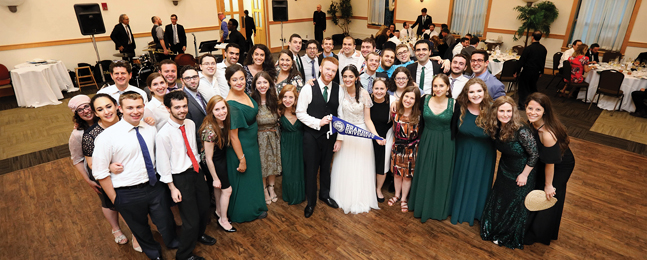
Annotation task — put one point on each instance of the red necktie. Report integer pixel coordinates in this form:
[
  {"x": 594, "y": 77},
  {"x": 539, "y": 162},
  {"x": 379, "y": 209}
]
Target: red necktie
[{"x": 189, "y": 152}]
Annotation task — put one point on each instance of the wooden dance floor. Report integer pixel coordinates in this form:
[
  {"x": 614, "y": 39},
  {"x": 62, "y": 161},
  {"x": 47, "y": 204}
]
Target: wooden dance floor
[{"x": 48, "y": 212}]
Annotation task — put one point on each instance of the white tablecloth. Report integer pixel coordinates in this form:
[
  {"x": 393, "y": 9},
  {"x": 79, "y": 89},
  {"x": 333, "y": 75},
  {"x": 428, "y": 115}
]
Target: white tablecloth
[
  {"x": 40, "y": 85},
  {"x": 629, "y": 84},
  {"x": 495, "y": 67}
]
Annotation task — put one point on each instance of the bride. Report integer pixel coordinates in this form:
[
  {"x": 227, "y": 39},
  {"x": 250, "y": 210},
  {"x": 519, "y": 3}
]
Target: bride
[{"x": 353, "y": 170}]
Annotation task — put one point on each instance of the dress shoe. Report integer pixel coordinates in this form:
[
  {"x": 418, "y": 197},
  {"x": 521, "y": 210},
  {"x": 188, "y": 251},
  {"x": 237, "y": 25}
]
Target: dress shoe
[
  {"x": 195, "y": 257},
  {"x": 262, "y": 215},
  {"x": 207, "y": 240},
  {"x": 159, "y": 258},
  {"x": 308, "y": 211},
  {"x": 331, "y": 202},
  {"x": 380, "y": 200},
  {"x": 233, "y": 229}
]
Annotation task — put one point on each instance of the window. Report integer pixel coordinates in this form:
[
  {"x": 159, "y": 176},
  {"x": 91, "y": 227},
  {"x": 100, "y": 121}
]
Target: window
[
  {"x": 602, "y": 21},
  {"x": 468, "y": 16},
  {"x": 380, "y": 12}
]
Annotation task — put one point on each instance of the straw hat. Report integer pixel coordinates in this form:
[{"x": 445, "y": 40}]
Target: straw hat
[{"x": 536, "y": 201}]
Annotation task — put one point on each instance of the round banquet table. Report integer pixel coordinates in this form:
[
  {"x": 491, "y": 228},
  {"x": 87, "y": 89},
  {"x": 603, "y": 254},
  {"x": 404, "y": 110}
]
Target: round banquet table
[
  {"x": 37, "y": 85},
  {"x": 631, "y": 83}
]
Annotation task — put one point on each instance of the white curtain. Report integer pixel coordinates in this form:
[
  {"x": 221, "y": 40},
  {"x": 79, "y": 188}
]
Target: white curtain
[
  {"x": 468, "y": 16},
  {"x": 376, "y": 10},
  {"x": 604, "y": 22}
]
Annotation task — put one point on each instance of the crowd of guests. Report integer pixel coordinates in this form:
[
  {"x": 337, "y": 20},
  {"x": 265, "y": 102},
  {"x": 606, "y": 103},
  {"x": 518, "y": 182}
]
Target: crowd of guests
[{"x": 225, "y": 131}]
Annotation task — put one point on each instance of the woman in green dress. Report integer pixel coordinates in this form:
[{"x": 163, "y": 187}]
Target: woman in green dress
[
  {"x": 243, "y": 158},
  {"x": 430, "y": 189},
  {"x": 475, "y": 154},
  {"x": 504, "y": 216},
  {"x": 291, "y": 147}
]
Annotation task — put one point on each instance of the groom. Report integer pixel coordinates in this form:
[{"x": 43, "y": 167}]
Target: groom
[{"x": 316, "y": 104}]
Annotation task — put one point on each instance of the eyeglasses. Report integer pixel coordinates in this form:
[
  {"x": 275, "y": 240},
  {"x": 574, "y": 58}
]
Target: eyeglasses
[
  {"x": 401, "y": 79},
  {"x": 311, "y": 48},
  {"x": 477, "y": 61},
  {"x": 209, "y": 64},
  {"x": 403, "y": 53},
  {"x": 196, "y": 77},
  {"x": 82, "y": 108}
]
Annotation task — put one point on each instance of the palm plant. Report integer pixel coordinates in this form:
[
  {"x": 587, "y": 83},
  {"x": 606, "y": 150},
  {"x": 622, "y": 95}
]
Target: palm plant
[
  {"x": 345, "y": 11},
  {"x": 536, "y": 17}
]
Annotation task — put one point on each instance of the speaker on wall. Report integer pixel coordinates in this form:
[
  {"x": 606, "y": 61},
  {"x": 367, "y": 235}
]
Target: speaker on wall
[
  {"x": 280, "y": 10},
  {"x": 89, "y": 18}
]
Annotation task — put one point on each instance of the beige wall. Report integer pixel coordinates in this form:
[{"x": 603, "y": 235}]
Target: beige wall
[{"x": 410, "y": 9}]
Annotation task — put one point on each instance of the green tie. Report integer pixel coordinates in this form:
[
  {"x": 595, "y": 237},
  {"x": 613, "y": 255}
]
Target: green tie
[
  {"x": 325, "y": 94},
  {"x": 422, "y": 79}
]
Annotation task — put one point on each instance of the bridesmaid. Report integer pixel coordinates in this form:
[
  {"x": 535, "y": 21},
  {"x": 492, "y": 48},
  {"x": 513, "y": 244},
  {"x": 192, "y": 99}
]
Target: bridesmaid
[
  {"x": 381, "y": 118},
  {"x": 287, "y": 72},
  {"x": 259, "y": 58},
  {"x": 215, "y": 139},
  {"x": 243, "y": 158},
  {"x": 430, "y": 189},
  {"x": 504, "y": 216},
  {"x": 402, "y": 79},
  {"x": 556, "y": 163},
  {"x": 291, "y": 147},
  {"x": 406, "y": 130},
  {"x": 155, "y": 108},
  {"x": 269, "y": 139},
  {"x": 475, "y": 154}
]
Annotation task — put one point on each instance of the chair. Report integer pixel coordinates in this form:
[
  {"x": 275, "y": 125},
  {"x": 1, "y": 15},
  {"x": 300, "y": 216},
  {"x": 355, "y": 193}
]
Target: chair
[
  {"x": 611, "y": 55},
  {"x": 81, "y": 77},
  {"x": 573, "y": 87},
  {"x": 610, "y": 83},
  {"x": 556, "y": 57},
  {"x": 507, "y": 73},
  {"x": 5, "y": 78},
  {"x": 518, "y": 49},
  {"x": 184, "y": 60},
  {"x": 491, "y": 46}
]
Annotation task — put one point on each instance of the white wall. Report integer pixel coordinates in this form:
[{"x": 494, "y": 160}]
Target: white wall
[{"x": 409, "y": 10}]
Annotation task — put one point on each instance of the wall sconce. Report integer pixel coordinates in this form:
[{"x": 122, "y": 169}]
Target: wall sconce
[
  {"x": 12, "y": 4},
  {"x": 175, "y": 2}
]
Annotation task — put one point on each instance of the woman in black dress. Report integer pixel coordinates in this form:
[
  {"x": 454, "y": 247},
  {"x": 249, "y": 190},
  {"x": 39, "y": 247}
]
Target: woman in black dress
[
  {"x": 556, "y": 163},
  {"x": 380, "y": 115},
  {"x": 215, "y": 137}
]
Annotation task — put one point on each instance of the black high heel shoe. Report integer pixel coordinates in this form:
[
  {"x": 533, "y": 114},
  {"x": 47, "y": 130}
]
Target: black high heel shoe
[{"x": 233, "y": 229}]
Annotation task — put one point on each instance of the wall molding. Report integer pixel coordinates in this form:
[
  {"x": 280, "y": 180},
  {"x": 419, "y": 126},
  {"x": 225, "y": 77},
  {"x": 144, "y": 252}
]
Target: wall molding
[
  {"x": 301, "y": 20},
  {"x": 89, "y": 39},
  {"x": 630, "y": 28},
  {"x": 636, "y": 44},
  {"x": 507, "y": 31}
]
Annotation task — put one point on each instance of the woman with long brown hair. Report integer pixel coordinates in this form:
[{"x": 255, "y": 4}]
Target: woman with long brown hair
[
  {"x": 215, "y": 137},
  {"x": 475, "y": 154},
  {"x": 287, "y": 72},
  {"x": 504, "y": 217},
  {"x": 579, "y": 67},
  {"x": 556, "y": 163},
  {"x": 259, "y": 58},
  {"x": 291, "y": 147}
]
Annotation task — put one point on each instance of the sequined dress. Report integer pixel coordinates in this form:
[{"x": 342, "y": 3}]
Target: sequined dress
[
  {"x": 504, "y": 217},
  {"x": 269, "y": 141}
]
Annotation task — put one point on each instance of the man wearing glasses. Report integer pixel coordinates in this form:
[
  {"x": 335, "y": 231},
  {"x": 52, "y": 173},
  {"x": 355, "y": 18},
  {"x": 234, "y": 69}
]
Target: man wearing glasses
[
  {"x": 479, "y": 63},
  {"x": 197, "y": 103},
  {"x": 232, "y": 53},
  {"x": 403, "y": 58},
  {"x": 208, "y": 85},
  {"x": 310, "y": 61}
]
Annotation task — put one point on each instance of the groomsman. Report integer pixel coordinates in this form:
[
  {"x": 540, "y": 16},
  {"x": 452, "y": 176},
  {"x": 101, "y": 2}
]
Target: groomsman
[
  {"x": 423, "y": 20},
  {"x": 178, "y": 163},
  {"x": 315, "y": 106},
  {"x": 294, "y": 44}
]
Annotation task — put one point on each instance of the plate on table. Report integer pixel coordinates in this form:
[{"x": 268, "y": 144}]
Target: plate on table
[{"x": 51, "y": 61}]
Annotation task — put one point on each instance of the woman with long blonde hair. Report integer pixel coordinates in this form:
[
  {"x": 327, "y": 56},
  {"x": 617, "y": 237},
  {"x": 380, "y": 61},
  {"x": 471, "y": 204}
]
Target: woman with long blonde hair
[{"x": 504, "y": 217}]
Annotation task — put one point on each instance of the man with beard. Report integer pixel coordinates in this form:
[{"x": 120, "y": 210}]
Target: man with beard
[
  {"x": 388, "y": 59},
  {"x": 464, "y": 42},
  {"x": 168, "y": 69},
  {"x": 370, "y": 73},
  {"x": 232, "y": 53},
  {"x": 235, "y": 36},
  {"x": 479, "y": 62},
  {"x": 310, "y": 60},
  {"x": 121, "y": 72},
  {"x": 158, "y": 37},
  {"x": 347, "y": 55},
  {"x": 177, "y": 160},
  {"x": 197, "y": 103},
  {"x": 457, "y": 78},
  {"x": 327, "y": 46}
]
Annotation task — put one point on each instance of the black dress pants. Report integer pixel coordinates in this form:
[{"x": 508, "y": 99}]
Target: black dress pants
[
  {"x": 319, "y": 35},
  {"x": 135, "y": 204},
  {"x": 639, "y": 98},
  {"x": 317, "y": 156},
  {"x": 177, "y": 49},
  {"x": 194, "y": 209},
  {"x": 527, "y": 86}
]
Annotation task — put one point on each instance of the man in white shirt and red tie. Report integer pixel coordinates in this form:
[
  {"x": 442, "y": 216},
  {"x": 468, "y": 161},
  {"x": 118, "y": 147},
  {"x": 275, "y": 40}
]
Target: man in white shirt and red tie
[
  {"x": 178, "y": 163},
  {"x": 135, "y": 190}
]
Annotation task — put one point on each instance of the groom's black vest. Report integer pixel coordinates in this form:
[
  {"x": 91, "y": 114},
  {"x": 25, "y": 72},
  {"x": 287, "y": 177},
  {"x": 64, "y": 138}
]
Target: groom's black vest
[{"x": 318, "y": 108}]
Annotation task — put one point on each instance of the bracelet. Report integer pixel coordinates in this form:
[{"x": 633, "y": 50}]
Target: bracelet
[{"x": 242, "y": 157}]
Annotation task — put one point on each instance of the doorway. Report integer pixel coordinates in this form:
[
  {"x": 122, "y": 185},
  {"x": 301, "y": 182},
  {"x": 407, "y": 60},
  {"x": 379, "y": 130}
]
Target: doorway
[{"x": 234, "y": 9}]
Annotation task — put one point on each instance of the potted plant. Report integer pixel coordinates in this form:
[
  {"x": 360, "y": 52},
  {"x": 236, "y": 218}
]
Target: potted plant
[
  {"x": 341, "y": 12},
  {"x": 535, "y": 17}
]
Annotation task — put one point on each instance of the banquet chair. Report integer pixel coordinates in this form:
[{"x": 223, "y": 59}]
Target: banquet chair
[
  {"x": 556, "y": 57},
  {"x": 611, "y": 55},
  {"x": 5, "y": 78},
  {"x": 491, "y": 46},
  {"x": 507, "y": 73},
  {"x": 570, "y": 85},
  {"x": 518, "y": 49},
  {"x": 85, "y": 79},
  {"x": 609, "y": 85}
]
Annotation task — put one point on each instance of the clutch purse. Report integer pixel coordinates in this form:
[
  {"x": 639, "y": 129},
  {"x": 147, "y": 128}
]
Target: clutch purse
[{"x": 536, "y": 201}]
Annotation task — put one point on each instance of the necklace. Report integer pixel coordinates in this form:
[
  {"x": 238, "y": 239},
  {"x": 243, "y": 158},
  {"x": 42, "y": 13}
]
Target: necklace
[{"x": 542, "y": 125}]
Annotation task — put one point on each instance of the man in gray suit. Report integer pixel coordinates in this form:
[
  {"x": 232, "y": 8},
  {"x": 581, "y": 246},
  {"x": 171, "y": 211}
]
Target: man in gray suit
[{"x": 197, "y": 104}]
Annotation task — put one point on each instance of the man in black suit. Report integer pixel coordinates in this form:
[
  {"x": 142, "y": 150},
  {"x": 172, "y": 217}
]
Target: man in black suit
[
  {"x": 314, "y": 109},
  {"x": 236, "y": 37},
  {"x": 123, "y": 38},
  {"x": 592, "y": 53},
  {"x": 294, "y": 44},
  {"x": 319, "y": 20},
  {"x": 467, "y": 51},
  {"x": 423, "y": 70},
  {"x": 250, "y": 29},
  {"x": 175, "y": 36},
  {"x": 533, "y": 61},
  {"x": 197, "y": 104},
  {"x": 423, "y": 20},
  {"x": 327, "y": 47}
]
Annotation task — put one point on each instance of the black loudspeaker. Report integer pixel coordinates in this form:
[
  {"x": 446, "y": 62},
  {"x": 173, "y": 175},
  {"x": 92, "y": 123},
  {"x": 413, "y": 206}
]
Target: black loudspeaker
[
  {"x": 90, "y": 19},
  {"x": 280, "y": 10}
]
